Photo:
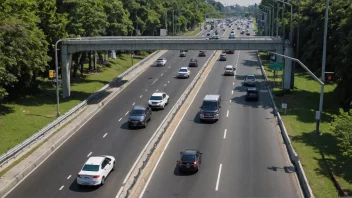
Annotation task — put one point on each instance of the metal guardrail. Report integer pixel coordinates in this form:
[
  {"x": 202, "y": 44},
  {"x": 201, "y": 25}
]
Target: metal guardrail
[
  {"x": 147, "y": 153},
  {"x": 4, "y": 158},
  {"x": 307, "y": 191}
]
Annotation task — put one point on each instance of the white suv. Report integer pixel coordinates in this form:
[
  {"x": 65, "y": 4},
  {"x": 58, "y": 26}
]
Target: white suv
[
  {"x": 95, "y": 170},
  {"x": 161, "y": 62},
  {"x": 229, "y": 70},
  {"x": 184, "y": 72},
  {"x": 158, "y": 100}
]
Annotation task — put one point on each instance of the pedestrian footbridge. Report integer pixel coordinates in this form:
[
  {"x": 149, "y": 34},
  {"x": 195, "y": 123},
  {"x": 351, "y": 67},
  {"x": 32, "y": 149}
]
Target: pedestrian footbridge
[{"x": 73, "y": 45}]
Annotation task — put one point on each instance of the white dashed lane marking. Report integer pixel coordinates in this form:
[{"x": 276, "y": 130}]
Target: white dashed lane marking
[
  {"x": 141, "y": 96},
  {"x": 225, "y": 133},
  {"x": 105, "y": 135},
  {"x": 61, "y": 187},
  {"x": 126, "y": 112},
  {"x": 120, "y": 119},
  {"x": 89, "y": 154},
  {"x": 227, "y": 114},
  {"x": 133, "y": 104},
  {"x": 69, "y": 177}
]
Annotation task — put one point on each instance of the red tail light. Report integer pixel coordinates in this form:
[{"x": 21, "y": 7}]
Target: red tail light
[
  {"x": 96, "y": 176},
  {"x": 181, "y": 162},
  {"x": 78, "y": 175},
  {"x": 195, "y": 163}
]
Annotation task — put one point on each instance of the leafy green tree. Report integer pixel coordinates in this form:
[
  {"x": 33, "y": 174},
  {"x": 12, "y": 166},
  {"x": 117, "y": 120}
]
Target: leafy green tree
[
  {"x": 342, "y": 127},
  {"x": 118, "y": 19}
]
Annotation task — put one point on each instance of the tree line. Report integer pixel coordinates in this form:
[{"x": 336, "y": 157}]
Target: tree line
[
  {"x": 30, "y": 28},
  {"x": 338, "y": 59}
]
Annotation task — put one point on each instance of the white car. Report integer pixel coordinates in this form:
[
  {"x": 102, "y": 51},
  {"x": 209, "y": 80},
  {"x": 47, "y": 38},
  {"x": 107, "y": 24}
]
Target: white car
[
  {"x": 184, "y": 72},
  {"x": 158, "y": 100},
  {"x": 229, "y": 70},
  {"x": 95, "y": 170},
  {"x": 161, "y": 62}
]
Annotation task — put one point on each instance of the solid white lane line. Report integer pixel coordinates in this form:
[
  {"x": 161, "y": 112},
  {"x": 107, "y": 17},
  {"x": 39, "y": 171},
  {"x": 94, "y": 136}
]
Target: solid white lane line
[
  {"x": 232, "y": 92},
  {"x": 225, "y": 133},
  {"x": 89, "y": 154},
  {"x": 119, "y": 193},
  {"x": 227, "y": 114},
  {"x": 133, "y": 104},
  {"x": 69, "y": 177},
  {"x": 218, "y": 180},
  {"x": 165, "y": 85},
  {"x": 141, "y": 96},
  {"x": 120, "y": 119},
  {"x": 162, "y": 74},
  {"x": 105, "y": 135},
  {"x": 61, "y": 187},
  {"x": 127, "y": 112}
]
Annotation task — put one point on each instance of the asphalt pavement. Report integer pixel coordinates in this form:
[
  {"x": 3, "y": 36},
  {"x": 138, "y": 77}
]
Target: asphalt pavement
[
  {"x": 243, "y": 153},
  {"x": 107, "y": 134}
]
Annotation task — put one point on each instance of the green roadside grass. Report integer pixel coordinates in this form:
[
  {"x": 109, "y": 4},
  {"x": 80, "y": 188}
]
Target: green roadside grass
[
  {"x": 255, "y": 24},
  {"x": 22, "y": 118},
  {"x": 300, "y": 123}
]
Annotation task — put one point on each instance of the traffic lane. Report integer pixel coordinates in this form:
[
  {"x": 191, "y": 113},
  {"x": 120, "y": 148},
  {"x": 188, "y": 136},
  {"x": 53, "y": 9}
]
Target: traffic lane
[
  {"x": 80, "y": 145},
  {"x": 258, "y": 154},
  {"x": 208, "y": 137}
]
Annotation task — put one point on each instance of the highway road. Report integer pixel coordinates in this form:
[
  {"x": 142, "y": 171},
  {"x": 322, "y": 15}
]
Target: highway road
[
  {"x": 243, "y": 153},
  {"x": 107, "y": 134}
]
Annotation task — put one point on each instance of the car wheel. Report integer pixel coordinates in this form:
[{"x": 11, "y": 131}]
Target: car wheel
[
  {"x": 163, "y": 107},
  {"x": 102, "y": 181},
  {"x": 145, "y": 124},
  {"x": 113, "y": 166}
]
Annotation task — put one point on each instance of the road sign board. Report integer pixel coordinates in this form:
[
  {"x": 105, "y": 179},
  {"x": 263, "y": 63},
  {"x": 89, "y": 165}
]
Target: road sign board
[
  {"x": 51, "y": 73},
  {"x": 275, "y": 66}
]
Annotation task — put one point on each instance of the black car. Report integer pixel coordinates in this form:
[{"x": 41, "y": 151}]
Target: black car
[
  {"x": 193, "y": 63},
  {"x": 222, "y": 57},
  {"x": 201, "y": 54},
  {"x": 252, "y": 94},
  {"x": 139, "y": 116},
  {"x": 190, "y": 160}
]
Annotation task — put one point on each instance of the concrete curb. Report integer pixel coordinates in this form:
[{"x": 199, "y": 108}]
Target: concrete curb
[
  {"x": 307, "y": 191},
  {"x": 73, "y": 127}
]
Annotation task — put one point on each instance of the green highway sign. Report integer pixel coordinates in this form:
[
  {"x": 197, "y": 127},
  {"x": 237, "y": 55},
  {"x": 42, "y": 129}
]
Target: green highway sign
[{"x": 275, "y": 66}]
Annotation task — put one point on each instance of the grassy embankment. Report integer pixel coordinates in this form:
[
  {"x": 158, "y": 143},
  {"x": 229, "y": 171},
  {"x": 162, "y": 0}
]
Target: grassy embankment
[{"x": 300, "y": 123}]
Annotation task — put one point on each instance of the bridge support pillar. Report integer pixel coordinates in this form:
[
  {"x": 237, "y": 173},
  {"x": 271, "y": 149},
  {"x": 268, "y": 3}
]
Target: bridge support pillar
[
  {"x": 287, "y": 77},
  {"x": 266, "y": 27},
  {"x": 66, "y": 60}
]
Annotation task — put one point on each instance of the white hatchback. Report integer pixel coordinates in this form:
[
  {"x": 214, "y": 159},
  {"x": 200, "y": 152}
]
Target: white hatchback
[{"x": 95, "y": 170}]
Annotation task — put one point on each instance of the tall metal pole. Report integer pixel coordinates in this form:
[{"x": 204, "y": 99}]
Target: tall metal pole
[
  {"x": 277, "y": 19},
  {"x": 291, "y": 30},
  {"x": 283, "y": 21},
  {"x": 57, "y": 80},
  {"x": 173, "y": 22},
  {"x": 323, "y": 65},
  {"x": 166, "y": 20}
]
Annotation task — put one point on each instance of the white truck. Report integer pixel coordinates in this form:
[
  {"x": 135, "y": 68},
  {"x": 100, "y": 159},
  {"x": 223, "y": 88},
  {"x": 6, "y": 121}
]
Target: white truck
[{"x": 161, "y": 62}]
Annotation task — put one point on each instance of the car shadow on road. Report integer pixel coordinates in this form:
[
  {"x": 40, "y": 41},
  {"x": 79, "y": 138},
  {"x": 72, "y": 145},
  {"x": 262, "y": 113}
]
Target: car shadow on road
[
  {"x": 126, "y": 127},
  {"x": 84, "y": 189},
  {"x": 197, "y": 120},
  {"x": 178, "y": 173}
]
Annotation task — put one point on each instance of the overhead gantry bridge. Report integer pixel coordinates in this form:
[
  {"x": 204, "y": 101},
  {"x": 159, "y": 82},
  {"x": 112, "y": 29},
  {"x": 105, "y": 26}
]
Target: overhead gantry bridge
[{"x": 73, "y": 45}]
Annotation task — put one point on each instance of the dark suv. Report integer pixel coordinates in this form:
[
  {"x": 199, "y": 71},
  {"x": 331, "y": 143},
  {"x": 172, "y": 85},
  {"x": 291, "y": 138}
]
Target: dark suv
[
  {"x": 193, "y": 63},
  {"x": 201, "y": 53},
  {"x": 190, "y": 160},
  {"x": 252, "y": 94},
  {"x": 139, "y": 116}
]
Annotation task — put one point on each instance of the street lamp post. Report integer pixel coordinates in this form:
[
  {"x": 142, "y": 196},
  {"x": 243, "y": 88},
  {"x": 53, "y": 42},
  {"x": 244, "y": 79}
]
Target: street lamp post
[
  {"x": 277, "y": 19},
  {"x": 272, "y": 19},
  {"x": 291, "y": 33},
  {"x": 269, "y": 9},
  {"x": 57, "y": 80},
  {"x": 265, "y": 25},
  {"x": 323, "y": 65}
]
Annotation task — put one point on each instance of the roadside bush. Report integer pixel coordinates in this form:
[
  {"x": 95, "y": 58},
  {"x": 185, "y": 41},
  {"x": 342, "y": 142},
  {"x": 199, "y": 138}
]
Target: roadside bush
[{"x": 342, "y": 127}]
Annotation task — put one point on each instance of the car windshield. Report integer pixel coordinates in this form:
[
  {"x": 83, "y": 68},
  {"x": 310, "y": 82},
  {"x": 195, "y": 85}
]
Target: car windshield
[
  {"x": 250, "y": 77},
  {"x": 90, "y": 167},
  {"x": 160, "y": 59},
  {"x": 252, "y": 94},
  {"x": 210, "y": 104},
  {"x": 188, "y": 158},
  {"x": 228, "y": 68},
  {"x": 137, "y": 112},
  {"x": 156, "y": 98},
  {"x": 183, "y": 70}
]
